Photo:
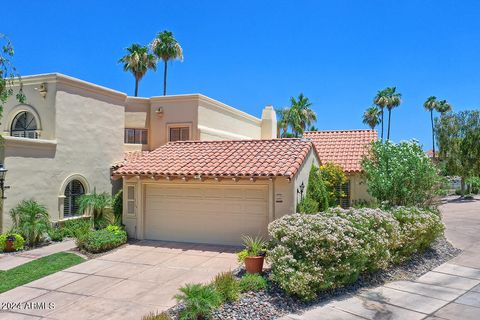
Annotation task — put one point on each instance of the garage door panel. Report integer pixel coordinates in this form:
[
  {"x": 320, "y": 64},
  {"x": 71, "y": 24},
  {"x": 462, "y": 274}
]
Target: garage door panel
[{"x": 206, "y": 214}]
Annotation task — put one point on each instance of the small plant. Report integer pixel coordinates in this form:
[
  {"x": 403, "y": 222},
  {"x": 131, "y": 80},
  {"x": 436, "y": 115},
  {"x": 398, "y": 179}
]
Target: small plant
[
  {"x": 102, "y": 240},
  {"x": 252, "y": 282},
  {"x": 16, "y": 239},
  {"x": 77, "y": 227},
  {"x": 56, "y": 234},
  {"x": 199, "y": 301},
  {"x": 157, "y": 316},
  {"x": 254, "y": 247},
  {"x": 118, "y": 207},
  {"x": 31, "y": 220},
  {"x": 227, "y": 286}
]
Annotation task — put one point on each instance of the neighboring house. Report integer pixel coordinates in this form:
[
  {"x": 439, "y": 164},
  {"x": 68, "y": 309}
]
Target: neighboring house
[
  {"x": 346, "y": 148},
  {"x": 213, "y": 191},
  {"x": 64, "y": 141}
]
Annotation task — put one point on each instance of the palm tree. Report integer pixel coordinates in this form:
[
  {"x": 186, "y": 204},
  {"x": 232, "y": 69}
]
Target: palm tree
[
  {"x": 301, "y": 114},
  {"x": 371, "y": 117},
  {"x": 166, "y": 48},
  {"x": 394, "y": 99},
  {"x": 31, "y": 220},
  {"x": 283, "y": 122},
  {"x": 432, "y": 104},
  {"x": 138, "y": 61},
  {"x": 380, "y": 100}
]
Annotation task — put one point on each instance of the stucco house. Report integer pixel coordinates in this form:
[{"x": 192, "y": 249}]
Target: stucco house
[
  {"x": 63, "y": 142},
  {"x": 346, "y": 148}
]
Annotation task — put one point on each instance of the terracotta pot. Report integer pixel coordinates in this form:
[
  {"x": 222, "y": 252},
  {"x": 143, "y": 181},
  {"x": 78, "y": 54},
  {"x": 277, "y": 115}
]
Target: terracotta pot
[
  {"x": 254, "y": 264},
  {"x": 9, "y": 246}
]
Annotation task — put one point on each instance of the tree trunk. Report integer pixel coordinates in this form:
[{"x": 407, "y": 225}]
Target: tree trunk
[
  {"x": 433, "y": 134},
  {"x": 136, "y": 87},
  {"x": 389, "y": 117},
  {"x": 165, "y": 79},
  {"x": 382, "y": 124},
  {"x": 462, "y": 186}
]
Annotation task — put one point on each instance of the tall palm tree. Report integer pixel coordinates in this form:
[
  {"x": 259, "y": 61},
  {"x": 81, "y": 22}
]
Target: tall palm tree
[
  {"x": 432, "y": 104},
  {"x": 138, "y": 61},
  {"x": 283, "y": 122},
  {"x": 301, "y": 114},
  {"x": 394, "y": 99},
  {"x": 380, "y": 100},
  {"x": 371, "y": 117},
  {"x": 166, "y": 48}
]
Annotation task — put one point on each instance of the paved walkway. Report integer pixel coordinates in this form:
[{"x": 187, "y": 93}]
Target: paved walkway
[
  {"x": 8, "y": 260},
  {"x": 451, "y": 291},
  {"x": 125, "y": 284}
]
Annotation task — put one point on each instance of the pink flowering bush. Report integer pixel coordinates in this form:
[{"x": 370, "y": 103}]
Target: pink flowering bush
[{"x": 314, "y": 252}]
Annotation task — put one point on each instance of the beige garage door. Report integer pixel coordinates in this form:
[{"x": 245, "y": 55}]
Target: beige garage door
[{"x": 218, "y": 214}]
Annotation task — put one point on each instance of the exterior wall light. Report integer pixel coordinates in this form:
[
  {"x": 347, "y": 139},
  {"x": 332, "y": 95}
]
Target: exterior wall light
[
  {"x": 3, "y": 173},
  {"x": 300, "y": 191},
  {"x": 43, "y": 90},
  {"x": 159, "y": 112}
]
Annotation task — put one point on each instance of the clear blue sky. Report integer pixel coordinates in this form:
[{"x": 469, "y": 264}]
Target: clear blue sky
[{"x": 252, "y": 53}]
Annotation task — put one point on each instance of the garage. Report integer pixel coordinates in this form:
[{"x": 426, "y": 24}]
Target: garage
[{"x": 202, "y": 213}]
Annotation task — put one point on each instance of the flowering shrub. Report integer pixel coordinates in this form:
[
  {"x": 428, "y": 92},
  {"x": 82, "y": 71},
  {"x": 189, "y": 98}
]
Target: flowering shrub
[
  {"x": 314, "y": 252},
  {"x": 379, "y": 232},
  {"x": 18, "y": 241},
  {"x": 333, "y": 176},
  {"x": 418, "y": 229}
]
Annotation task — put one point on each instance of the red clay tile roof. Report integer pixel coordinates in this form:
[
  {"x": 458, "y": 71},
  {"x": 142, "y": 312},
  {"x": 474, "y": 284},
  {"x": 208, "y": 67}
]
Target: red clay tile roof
[
  {"x": 232, "y": 158},
  {"x": 129, "y": 156},
  {"x": 342, "y": 147}
]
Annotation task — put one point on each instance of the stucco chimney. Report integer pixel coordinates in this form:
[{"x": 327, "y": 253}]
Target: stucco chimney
[{"x": 269, "y": 123}]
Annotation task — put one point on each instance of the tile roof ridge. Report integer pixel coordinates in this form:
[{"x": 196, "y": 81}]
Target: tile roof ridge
[
  {"x": 302, "y": 139},
  {"x": 342, "y": 130}
]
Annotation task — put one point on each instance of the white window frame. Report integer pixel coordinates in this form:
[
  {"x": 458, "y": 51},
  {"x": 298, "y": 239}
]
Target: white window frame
[{"x": 130, "y": 200}]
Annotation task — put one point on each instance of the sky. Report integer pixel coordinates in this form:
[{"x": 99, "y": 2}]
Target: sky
[{"x": 249, "y": 54}]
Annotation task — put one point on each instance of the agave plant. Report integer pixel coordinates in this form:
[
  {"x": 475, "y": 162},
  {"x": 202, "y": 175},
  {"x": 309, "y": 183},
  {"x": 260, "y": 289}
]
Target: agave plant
[{"x": 31, "y": 220}]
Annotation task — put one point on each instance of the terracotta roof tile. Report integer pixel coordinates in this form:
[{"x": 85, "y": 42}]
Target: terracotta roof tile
[
  {"x": 342, "y": 147},
  {"x": 129, "y": 156},
  {"x": 274, "y": 157}
]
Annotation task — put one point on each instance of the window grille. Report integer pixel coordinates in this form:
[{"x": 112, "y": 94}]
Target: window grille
[{"x": 24, "y": 125}]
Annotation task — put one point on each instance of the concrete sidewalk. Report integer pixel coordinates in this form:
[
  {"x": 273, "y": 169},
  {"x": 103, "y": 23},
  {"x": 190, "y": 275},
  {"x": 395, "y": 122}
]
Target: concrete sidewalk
[
  {"x": 12, "y": 260},
  {"x": 451, "y": 291}
]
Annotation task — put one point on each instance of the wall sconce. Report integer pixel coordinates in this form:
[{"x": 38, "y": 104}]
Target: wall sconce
[
  {"x": 43, "y": 89},
  {"x": 3, "y": 173},
  {"x": 300, "y": 191},
  {"x": 159, "y": 112}
]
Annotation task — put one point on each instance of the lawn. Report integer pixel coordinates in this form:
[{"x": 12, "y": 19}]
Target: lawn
[{"x": 37, "y": 269}]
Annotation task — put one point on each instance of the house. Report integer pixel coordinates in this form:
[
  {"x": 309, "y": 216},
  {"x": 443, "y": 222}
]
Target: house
[
  {"x": 346, "y": 148},
  {"x": 214, "y": 191},
  {"x": 63, "y": 142}
]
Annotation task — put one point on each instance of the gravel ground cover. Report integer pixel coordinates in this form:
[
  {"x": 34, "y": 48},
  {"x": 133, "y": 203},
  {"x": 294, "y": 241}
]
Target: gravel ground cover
[{"x": 273, "y": 303}]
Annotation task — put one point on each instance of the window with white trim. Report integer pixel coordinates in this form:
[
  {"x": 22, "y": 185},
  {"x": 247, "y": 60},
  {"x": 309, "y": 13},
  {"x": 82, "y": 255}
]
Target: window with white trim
[
  {"x": 131, "y": 200},
  {"x": 73, "y": 191},
  {"x": 136, "y": 136},
  {"x": 24, "y": 125},
  {"x": 179, "y": 134}
]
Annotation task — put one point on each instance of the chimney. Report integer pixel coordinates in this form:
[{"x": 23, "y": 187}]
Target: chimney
[{"x": 269, "y": 123}]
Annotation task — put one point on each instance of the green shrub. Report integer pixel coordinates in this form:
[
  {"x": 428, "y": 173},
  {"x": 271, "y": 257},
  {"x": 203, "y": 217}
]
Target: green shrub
[
  {"x": 379, "y": 232},
  {"x": 458, "y": 192},
  {"x": 227, "y": 286},
  {"x": 157, "y": 316},
  {"x": 315, "y": 252},
  {"x": 199, "y": 301},
  {"x": 56, "y": 234},
  {"x": 400, "y": 174},
  {"x": 31, "y": 220},
  {"x": 118, "y": 207},
  {"x": 18, "y": 241},
  {"x": 473, "y": 184},
  {"x": 333, "y": 176},
  {"x": 418, "y": 229},
  {"x": 252, "y": 282},
  {"x": 307, "y": 205},
  {"x": 311, "y": 253},
  {"x": 316, "y": 189},
  {"x": 99, "y": 207},
  {"x": 102, "y": 240},
  {"x": 75, "y": 228}
]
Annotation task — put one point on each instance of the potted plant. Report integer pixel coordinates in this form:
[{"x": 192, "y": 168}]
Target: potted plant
[
  {"x": 11, "y": 242},
  {"x": 254, "y": 254}
]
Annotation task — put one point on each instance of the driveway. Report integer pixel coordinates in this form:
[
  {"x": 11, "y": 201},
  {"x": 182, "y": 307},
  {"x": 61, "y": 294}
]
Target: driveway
[{"x": 125, "y": 284}]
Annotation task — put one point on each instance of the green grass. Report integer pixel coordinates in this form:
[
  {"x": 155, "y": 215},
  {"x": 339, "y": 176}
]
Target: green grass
[{"x": 37, "y": 269}]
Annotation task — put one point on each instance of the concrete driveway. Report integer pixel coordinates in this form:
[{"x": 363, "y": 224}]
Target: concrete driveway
[{"x": 125, "y": 284}]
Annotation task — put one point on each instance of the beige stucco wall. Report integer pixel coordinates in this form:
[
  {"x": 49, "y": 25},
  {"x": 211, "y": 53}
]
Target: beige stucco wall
[
  {"x": 86, "y": 142},
  {"x": 358, "y": 189},
  {"x": 303, "y": 173}
]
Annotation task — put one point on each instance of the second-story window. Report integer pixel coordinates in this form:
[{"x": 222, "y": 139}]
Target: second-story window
[
  {"x": 24, "y": 125},
  {"x": 179, "y": 134},
  {"x": 136, "y": 136}
]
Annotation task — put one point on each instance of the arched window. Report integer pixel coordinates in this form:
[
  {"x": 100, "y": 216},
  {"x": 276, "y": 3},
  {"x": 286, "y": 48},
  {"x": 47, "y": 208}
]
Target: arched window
[
  {"x": 73, "y": 191},
  {"x": 24, "y": 125}
]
